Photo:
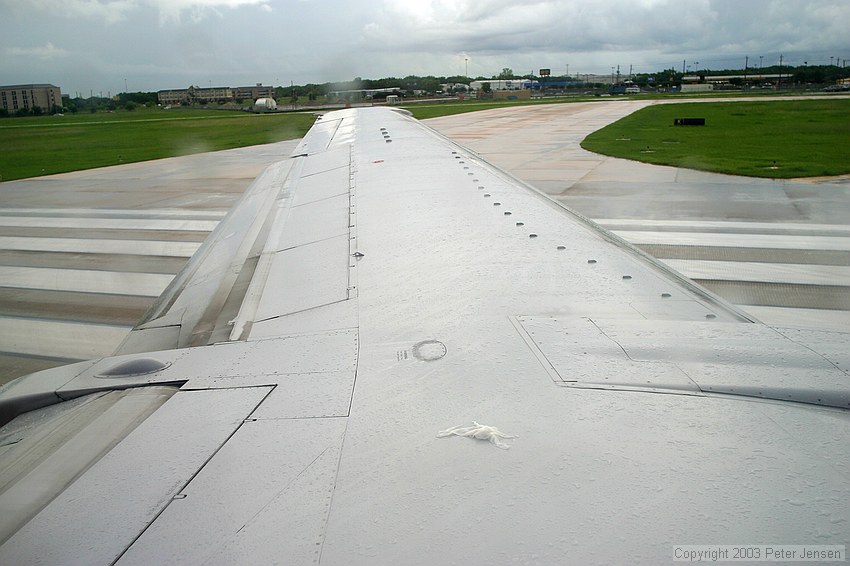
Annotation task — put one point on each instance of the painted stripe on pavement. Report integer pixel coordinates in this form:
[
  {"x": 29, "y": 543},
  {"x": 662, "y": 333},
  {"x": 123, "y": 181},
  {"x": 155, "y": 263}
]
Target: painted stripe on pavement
[
  {"x": 85, "y": 281},
  {"x": 736, "y": 240},
  {"x": 131, "y": 247},
  {"x": 109, "y": 223},
  {"x": 60, "y": 339}
]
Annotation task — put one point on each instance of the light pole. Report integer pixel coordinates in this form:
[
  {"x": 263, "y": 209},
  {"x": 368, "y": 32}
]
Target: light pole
[{"x": 466, "y": 62}]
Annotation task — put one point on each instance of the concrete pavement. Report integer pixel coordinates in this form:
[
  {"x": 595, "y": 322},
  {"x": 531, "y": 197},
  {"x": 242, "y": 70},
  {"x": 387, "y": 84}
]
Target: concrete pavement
[{"x": 84, "y": 254}]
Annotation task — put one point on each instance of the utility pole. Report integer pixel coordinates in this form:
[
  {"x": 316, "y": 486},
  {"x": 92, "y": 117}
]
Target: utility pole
[
  {"x": 746, "y": 62},
  {"x": 779, "y": 85},
  {"x": 683, "y": 66}
]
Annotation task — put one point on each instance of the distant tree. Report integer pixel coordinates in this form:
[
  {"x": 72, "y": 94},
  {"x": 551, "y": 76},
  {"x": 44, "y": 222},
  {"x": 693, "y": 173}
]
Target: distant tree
[
  {"x": 486, "y": 88},
  {"x": 37, "y": 111},
  {"x": 130, "y": 106},
  {"x": 507, "y": 73},
  {"x": 809, "y": 75},
  {"x": 457, "y": 79},
  {"x": 4, "y": 113}
]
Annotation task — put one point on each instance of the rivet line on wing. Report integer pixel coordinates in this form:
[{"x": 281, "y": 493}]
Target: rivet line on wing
[{"x": 461, "y": 160}]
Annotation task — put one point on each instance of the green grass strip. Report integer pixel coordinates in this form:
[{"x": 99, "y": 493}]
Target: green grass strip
[
  {"x": 805, "y": 138},
  {"x": 57, "y": 144}
]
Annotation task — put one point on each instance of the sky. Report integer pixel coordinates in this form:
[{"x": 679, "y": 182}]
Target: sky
[{"x": 109, "y": 46}]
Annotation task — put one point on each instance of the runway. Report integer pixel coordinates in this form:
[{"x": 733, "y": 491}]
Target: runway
[{"x": 83, "y": 255}]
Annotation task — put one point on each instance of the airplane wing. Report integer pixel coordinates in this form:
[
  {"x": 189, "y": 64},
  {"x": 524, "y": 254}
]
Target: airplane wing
[{"x": 391, "y": 352}]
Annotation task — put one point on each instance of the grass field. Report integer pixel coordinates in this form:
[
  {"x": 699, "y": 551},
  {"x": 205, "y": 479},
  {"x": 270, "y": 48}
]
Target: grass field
[
  {"x": 56, "y": 144},
  {"x": 806, "y": 138}
]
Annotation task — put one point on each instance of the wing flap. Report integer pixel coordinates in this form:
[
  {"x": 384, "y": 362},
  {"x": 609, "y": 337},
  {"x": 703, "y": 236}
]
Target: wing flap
[
  {"x": 263, "y": 499},
  {"x": 305, "y": 277},
  {"x": 124, "y": 491},
  {"x": 749, "y": 360}
]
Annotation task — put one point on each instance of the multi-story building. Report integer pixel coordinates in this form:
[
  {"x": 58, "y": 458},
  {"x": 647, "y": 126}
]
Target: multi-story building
[
  {"x": 26, "y": 97},
  {"x": 198, "y": 94},
  {"x": 172, "y": 96},
  {"x": 253, "y": 92},
  {"x": 194, "y": 94}
]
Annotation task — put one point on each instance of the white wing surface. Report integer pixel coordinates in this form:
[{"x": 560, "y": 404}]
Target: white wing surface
[{"x": 332, "y": 377}]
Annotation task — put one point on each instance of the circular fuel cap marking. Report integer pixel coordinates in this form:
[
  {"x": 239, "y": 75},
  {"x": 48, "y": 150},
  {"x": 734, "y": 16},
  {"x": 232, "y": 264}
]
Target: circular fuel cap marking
[{"x": 429, "y": 350}]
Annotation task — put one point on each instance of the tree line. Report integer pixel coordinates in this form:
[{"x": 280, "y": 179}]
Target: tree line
[{"x": 816, "y": 75}]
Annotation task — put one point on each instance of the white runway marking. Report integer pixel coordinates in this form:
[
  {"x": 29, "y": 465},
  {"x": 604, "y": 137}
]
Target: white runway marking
[
  {"x": 61, "y": 339},
  {"x": 100, "y": 246},
  {"x": 84, "y": 281},
  {"x": 799, "y": 274},
  {"x": 723, "y": 226},
  {"x": 835, "y": 243},
  {"x": 108, "y": 223}
]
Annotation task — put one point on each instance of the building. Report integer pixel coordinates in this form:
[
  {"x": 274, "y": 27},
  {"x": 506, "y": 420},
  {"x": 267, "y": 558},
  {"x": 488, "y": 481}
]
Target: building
[
  {"x": 253, "y": 92},
  {"x": 47, "y": 97},
  {"x": 172, "y": 96},
  {"x": 213, "y": 94},
  {"x": 364, "y": 94},
  {"x": 195, "y": 94},
  {"x": 509, "y": 84}
]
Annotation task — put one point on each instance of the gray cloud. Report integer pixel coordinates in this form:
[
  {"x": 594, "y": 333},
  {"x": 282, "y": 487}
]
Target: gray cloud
[
  {"x": 45, "y": 52},
  {"x": 87, "y": 44}
]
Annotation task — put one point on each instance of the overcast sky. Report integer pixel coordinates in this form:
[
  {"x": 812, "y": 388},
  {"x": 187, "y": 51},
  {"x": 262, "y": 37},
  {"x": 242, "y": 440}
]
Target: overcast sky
[{"x": 97, "y": 45}]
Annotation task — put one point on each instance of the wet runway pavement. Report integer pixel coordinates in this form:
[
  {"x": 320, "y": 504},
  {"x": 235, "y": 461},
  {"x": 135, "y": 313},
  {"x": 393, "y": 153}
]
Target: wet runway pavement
[{"x": 83, "y": 255}]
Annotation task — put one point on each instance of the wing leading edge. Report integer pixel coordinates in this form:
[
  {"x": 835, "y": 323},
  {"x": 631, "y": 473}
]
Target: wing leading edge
[{"x": 385, "y": 284}]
